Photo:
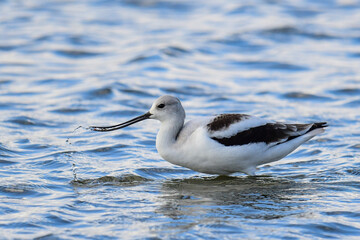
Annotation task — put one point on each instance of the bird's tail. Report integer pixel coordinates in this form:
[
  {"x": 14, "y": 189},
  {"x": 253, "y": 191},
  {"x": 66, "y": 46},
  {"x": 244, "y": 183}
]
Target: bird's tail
[{"x": 318, "y": 125}]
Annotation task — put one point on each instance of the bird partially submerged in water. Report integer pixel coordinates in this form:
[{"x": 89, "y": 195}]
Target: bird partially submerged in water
[{"x": 221, "y": 144}]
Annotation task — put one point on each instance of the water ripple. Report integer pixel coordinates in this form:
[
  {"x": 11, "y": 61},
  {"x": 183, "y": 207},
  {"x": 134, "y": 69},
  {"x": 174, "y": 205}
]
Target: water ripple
[
  {"x": 76, "y": 53},
  {"x": 269, "y": 65},
  {"x": 28, "y": 121},
  {"x": 306, "y": 96},
  {"x": 288, "y": 32},
  {"x": 126, "y": 180}
]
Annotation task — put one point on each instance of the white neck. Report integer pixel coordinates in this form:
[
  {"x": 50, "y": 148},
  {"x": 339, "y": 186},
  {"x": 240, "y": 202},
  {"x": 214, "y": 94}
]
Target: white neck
[{"x": 166, "y": 137}]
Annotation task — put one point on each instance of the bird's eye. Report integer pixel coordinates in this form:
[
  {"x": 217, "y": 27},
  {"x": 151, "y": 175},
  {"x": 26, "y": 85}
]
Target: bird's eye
[{"x": 161, "y": 105}]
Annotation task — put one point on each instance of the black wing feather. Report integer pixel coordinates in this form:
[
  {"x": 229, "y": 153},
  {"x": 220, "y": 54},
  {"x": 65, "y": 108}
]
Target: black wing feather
[{"x": 269, "y": 133}]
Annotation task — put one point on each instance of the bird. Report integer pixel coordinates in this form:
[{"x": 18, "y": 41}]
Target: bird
[{"x": 222, "y": 144}]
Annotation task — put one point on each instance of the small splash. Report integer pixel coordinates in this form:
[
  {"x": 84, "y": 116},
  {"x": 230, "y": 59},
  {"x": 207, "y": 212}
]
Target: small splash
[
  {"x": 74, "y": 169},
  {"x": 79, "y": 128},
  {"x": 75, "y": 130}
]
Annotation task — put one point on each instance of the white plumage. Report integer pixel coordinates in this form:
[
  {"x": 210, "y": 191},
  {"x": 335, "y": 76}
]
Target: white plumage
[{"x": 222, "y": 144}]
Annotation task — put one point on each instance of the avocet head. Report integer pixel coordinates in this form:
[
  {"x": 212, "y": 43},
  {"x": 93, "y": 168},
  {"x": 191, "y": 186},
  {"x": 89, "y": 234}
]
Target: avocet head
[{"x": 165, "y": 108}]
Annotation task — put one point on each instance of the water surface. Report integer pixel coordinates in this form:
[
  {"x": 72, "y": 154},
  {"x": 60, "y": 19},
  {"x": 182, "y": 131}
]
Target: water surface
[{"x": 65, "y": 64}]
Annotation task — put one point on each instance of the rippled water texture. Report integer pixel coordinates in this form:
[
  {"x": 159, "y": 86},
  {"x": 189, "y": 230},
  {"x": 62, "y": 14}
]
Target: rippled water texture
[{"x": 65, "y": 64}]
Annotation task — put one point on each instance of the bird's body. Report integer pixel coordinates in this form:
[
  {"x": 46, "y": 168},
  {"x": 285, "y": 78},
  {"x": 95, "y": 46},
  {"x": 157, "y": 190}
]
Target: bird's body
[{"x": 221, "y": 144}]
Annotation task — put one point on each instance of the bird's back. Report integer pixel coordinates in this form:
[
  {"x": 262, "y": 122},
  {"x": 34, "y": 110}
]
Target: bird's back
[{"x": 229, "y": 143}]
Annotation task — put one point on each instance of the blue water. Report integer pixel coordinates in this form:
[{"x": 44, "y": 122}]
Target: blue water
[{"x": 65, "y": 64}]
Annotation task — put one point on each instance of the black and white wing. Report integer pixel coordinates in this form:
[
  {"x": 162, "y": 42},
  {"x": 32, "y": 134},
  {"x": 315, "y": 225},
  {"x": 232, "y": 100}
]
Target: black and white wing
[{"x": 240, "y": 129}]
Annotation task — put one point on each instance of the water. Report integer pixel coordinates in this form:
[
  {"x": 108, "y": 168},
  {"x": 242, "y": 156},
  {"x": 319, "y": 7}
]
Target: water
[{"x": 65, "y": 64}]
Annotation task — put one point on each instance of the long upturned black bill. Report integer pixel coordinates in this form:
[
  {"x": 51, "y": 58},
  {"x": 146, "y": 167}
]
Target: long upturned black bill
[{"x": 121, "y": 125}]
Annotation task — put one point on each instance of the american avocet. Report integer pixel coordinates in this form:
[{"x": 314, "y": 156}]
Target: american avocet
[{"x": 221, "y": 144}]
